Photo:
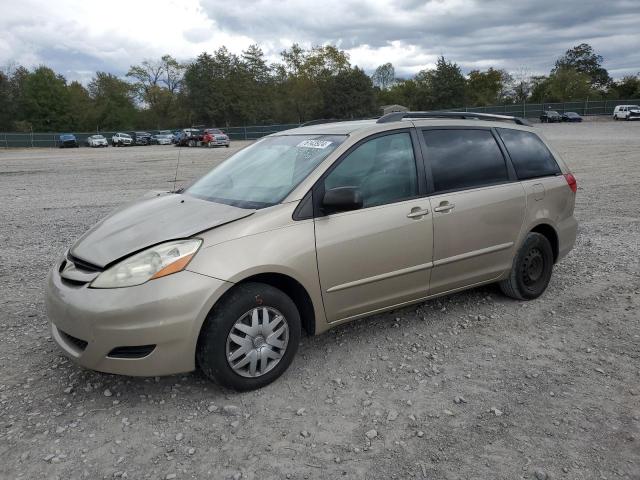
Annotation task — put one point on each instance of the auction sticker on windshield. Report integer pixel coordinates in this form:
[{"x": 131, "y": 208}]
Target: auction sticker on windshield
[{"x": 314, "y": 144}]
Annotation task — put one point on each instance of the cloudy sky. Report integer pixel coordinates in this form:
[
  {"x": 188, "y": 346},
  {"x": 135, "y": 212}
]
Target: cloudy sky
[{"x": 78, "y": 37}]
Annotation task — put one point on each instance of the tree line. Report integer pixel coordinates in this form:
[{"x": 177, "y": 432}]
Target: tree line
[{"x": 224, "y": 89}]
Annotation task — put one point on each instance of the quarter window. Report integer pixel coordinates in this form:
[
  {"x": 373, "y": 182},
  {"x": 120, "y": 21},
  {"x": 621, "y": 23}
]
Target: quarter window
[
  {"x": 384, "y": 169},
  {"x": 464, "y": 159},
  {"x": 530, "y": 156}
]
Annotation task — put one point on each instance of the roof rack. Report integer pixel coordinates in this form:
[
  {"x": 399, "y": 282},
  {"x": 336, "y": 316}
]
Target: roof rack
[
  {"x": 320, "y": 121},
  {"x": 333, "y": 120},
  {"x": 397, "y": 116}
]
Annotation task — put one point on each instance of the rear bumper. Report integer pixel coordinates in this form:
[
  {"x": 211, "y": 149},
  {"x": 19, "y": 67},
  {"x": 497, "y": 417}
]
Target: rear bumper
[
  {"x": 567, "y": 233},
  {"x": 88, "y": 324}
]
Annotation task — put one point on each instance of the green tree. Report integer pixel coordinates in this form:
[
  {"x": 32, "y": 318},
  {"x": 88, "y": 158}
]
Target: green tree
[
  {"x": 256, "y": 84},
  {"x": 6, "y": 103},
  {"x": 563, "y": 85},
  {"x": 349, "y": 94},
  {"x": 444, "y": 87},
  {"x": 81, "y": 113},
  {"x": 45, "y": 101},
  {"x": 583, "y": 59},
  {"x": 487, "y": 88},
  {"x": 628, "y": 87},
  {"x": 113, "y": 101}
]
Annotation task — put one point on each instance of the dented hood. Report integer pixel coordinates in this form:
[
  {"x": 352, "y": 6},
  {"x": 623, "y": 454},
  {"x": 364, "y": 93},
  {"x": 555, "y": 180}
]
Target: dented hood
[{"x": 151, "y": 221}]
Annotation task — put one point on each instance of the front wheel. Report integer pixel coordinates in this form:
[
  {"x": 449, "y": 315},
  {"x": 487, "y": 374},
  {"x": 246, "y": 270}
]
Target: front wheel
[
  {"x": 250, "y": 338},
  {"x": 531, "y": 270}
]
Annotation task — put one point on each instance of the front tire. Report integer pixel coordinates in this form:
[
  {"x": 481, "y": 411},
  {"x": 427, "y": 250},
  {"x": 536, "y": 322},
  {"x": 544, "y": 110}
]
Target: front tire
[
  {"x": 531, "y": 270},
  {"x": 249, "y": 338}
]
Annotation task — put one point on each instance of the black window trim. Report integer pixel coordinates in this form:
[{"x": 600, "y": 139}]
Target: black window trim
[
  {"x": 511, "y": 173},
  {"x": 317, "y": 191},
  {"x": 505, "y": 152}
]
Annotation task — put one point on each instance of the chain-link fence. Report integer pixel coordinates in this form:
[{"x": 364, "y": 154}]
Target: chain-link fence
[
  {"x": 252, "y": 132},
  {"x": 534, "y": 110},
  {"x": 52, "y": 140}
]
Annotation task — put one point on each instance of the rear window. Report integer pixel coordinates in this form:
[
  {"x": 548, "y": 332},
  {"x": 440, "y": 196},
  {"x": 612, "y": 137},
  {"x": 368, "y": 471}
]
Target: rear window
[
  {"x": 464, "y": 159},
  {"x": 530, "y": 156}
]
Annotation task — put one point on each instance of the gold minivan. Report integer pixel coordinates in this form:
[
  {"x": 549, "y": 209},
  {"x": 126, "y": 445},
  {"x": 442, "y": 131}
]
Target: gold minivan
[{"x": 308, "y": 229}]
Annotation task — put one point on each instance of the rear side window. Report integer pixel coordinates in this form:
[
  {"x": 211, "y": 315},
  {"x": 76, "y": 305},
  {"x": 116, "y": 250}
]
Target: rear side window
[
  {"x": 464, "y": 159},
  {"x": 530, "y": 156}
]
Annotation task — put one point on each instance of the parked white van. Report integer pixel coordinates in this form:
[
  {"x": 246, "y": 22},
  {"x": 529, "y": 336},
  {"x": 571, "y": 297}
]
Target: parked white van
[{"x": 626, "y": 112}]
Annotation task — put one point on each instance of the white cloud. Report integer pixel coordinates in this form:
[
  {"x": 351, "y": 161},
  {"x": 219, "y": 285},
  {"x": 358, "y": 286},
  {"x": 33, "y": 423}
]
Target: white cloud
[{"x": 76, "y": 37}]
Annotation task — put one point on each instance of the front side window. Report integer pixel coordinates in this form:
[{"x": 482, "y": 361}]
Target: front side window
[
  {"x": 530, "y": 156},
  {"x": 383, "y": 169},
  {"x": 462, "y": 159},
  {"x": 264, "y": 173}
]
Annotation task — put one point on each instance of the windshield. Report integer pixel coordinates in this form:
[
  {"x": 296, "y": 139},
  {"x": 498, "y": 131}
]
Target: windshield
[
  {"x": 552, "y": 113},
  {"x": 98, "y": 137},
  {"x": 634, "y": 107},
  {"x": 125, "y": 135},
  {"x": 264, "y": 173}
]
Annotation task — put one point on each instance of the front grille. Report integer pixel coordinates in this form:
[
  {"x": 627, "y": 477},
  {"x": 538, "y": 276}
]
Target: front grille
[
  {"x": 82, "y": 265},
  {"x": 138, "y": 351},
  {"x": 81, "y": 344}
]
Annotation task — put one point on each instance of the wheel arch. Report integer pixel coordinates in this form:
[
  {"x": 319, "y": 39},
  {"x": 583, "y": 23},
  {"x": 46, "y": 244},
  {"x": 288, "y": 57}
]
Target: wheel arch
[
  {"x": 294, "y": 290},
  {"x": 287, "y": 284},
  {"x": 551, "y": 234}
]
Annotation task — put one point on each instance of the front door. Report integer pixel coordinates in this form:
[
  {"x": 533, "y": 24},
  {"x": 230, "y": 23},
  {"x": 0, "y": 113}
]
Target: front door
[{"x": 380, "y": 255}]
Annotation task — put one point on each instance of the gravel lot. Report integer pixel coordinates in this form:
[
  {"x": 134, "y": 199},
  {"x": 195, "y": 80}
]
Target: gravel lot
[{"x": 469, "y": 386}]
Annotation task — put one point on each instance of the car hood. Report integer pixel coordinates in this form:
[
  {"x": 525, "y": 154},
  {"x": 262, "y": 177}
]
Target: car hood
[{"x": 151, "y": 221}]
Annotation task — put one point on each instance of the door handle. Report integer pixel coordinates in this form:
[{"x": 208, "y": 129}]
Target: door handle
[
  {"x": 417, "y": 213},
  {"x": 445, "y": 207}
]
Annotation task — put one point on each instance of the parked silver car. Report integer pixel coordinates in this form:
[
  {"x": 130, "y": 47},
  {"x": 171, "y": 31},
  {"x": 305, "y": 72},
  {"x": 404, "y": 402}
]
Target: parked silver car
[{"x": 97, "y": 141}]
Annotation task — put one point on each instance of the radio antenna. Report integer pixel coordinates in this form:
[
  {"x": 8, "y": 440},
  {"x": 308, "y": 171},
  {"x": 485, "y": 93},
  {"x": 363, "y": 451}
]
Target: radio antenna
[{"x": 175, "y": 177}]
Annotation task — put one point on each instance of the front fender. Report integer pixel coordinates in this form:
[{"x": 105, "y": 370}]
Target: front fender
[{"x": 288, "y": 250}]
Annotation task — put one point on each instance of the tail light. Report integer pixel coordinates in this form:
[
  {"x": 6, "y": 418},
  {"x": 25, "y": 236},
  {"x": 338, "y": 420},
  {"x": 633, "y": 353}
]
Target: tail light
[{"x": 571, "y": 181}]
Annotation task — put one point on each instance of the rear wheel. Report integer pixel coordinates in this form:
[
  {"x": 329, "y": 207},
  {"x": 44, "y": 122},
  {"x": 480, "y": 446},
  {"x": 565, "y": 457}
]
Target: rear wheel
[
  {"x": 531, "y": 270},
  {"x": 250, "y": 338}
]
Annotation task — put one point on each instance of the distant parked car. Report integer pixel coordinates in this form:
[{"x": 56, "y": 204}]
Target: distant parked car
[
  {"x": 141, "y": 138},
  {"x": 162, "y": 139},
  {"x": 550, "y": 116},
  {"x": 214, "y": 137},
  {"x": 97, "y": 141},
  {"x": 121, "y": 140},
  {"x": 189, "y": 137},
  {"x": 571, "y": 117},
  {"x": 67, "y": 140},
  {"x": 626, "y": 112}
]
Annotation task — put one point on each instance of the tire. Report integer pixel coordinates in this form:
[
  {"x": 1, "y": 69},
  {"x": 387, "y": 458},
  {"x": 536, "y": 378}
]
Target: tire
[
  {"x": 531, "y": 270},
  {"x": 226, "y": 146},
  {"x": 237, "y": 307},
  {"x": 191, "y": 143}
]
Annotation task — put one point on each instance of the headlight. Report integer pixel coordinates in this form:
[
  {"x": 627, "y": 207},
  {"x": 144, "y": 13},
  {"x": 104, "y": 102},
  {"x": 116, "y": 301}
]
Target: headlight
[{"x": 155, "y": 262}]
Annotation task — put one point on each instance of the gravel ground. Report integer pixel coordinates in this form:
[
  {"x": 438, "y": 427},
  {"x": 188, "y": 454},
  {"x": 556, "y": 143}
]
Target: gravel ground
[{"x": 469, "y": 386}]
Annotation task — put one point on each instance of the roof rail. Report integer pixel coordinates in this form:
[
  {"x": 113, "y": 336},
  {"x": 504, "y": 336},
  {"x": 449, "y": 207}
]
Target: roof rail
[
  {"x": 397, "y": 116},
  {"x": 319, "y": 121}
]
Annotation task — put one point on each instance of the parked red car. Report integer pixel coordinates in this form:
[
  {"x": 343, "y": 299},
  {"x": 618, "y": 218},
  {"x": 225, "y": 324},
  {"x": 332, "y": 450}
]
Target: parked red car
[{"x": 214, "y": 137}]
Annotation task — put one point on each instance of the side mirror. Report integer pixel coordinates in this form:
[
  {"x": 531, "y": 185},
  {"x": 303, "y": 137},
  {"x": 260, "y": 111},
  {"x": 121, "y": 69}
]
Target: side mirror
[{"x": 342, "y": 199}]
